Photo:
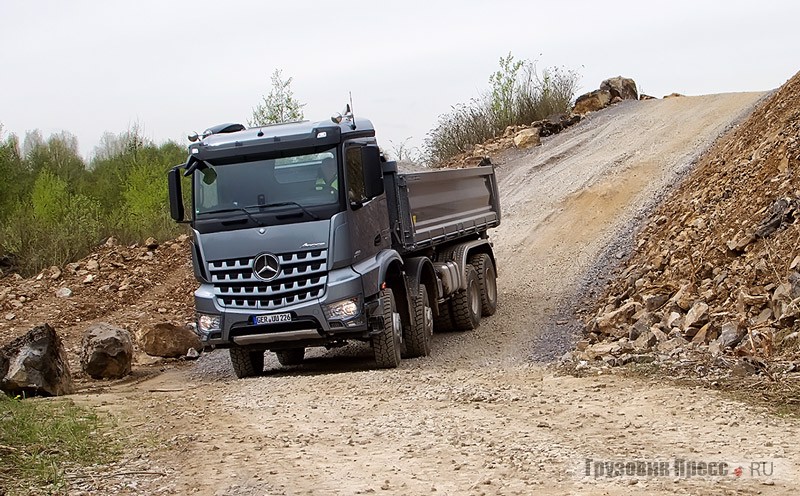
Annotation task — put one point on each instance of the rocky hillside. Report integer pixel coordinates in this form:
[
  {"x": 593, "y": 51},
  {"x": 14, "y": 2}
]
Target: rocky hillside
[
  {"x": 134, "y": 287},
  {"x": 716, "y": 273}
]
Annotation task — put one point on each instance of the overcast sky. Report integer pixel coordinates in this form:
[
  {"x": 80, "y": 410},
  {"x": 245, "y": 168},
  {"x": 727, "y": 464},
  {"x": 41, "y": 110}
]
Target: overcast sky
[{"x": 174, "y": 67}]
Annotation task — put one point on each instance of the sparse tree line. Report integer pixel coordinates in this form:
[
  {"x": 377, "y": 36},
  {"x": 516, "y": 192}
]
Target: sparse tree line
[{"x": 55, "y": 206}]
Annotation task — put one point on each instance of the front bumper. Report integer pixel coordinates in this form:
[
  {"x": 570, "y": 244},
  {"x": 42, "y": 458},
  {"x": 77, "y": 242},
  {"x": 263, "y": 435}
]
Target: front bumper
[{"x": 308, "y": 325}]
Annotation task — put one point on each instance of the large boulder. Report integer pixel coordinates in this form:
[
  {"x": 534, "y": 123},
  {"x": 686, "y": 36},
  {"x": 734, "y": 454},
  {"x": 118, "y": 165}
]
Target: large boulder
[
  {"x": 592, "y": 101},
  {"x": 35, "y": 365},
  {"x": 527, "y": 138},
  {"x": 107, "y": 351},
  {"x": 621, "y": 87},
  {"x": 168, "y": 340}
]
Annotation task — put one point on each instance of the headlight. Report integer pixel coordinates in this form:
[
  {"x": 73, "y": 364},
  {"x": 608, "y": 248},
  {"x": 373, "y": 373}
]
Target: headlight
[
  {"x": 207, "y": 323},
  {"x": 344, "y": 309}
]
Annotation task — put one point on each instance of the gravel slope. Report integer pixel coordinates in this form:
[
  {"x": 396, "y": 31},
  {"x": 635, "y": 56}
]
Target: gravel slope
[{"x": 476, "y": 417}]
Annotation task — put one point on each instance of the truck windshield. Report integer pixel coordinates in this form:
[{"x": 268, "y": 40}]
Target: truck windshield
[{"x": 303, "y": 180}]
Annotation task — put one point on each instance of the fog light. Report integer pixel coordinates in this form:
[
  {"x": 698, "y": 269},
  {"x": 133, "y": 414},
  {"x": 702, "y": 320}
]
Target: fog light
[
  {"x": 344, "y": 309},
  {"x": 207, "y": 323}
]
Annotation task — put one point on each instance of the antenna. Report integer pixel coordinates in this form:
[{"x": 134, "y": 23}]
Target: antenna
[{"x": 352, "y": 114}]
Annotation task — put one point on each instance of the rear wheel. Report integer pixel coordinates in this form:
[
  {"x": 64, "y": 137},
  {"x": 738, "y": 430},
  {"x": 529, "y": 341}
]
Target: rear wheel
[
  {"x": 246, "y": 361},
  {"x": 386, "y": 344},
  {"x": 487, "y": 282},
  {"x": 293, "y": 356},
  {"x": 467, "y": 303},
  {"x": 418, "y": 336}
]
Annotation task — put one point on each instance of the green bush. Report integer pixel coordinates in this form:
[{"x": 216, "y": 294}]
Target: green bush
[{"x": 518, "y": 95}]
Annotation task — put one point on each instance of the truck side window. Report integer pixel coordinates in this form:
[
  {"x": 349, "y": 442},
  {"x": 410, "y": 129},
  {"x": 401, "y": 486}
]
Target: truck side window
[{"x": 356, "y": 188}]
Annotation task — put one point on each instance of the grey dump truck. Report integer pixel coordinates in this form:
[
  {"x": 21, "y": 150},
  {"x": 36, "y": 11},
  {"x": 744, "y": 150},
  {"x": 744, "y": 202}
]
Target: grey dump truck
[{"x": 303, "y": 235}]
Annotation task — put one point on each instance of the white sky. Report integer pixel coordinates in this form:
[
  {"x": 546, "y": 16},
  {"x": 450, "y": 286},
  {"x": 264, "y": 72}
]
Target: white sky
[{"x": 181, "y": 66}]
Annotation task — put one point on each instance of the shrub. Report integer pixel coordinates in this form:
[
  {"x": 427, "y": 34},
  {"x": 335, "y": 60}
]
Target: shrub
[
  {"x": 518, "y": 95},
  {"x": 53, "y": 228}
]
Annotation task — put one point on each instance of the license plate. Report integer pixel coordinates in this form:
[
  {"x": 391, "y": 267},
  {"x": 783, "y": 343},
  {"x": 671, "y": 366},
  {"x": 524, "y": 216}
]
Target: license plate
[{"x": 274, "y": 318}]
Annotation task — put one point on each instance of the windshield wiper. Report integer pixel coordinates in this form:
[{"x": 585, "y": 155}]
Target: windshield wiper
[
  {"x": 237, "y": 209},
  {"x": 286, "y": 203}
]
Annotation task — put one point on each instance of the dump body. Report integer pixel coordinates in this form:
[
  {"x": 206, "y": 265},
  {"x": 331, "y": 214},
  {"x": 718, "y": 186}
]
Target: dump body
[{"x": 438, "y": 206}]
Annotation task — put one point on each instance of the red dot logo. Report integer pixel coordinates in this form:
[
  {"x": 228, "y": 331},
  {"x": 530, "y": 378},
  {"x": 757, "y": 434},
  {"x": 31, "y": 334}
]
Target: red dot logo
[{"x": 738, "y": 471}]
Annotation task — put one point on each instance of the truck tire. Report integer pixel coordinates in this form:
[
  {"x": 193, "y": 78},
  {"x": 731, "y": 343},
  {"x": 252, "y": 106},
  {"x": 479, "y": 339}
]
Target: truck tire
[
  {"x": 487, "y": 282},
  {"x": 293, "y": 356},
  {"x": 467, "y": 303},
  {"x": 386, "y": 344},
  {"x": 246, "y": 362},
  {"x": 444, "y": 321},
  {"x": 418, "y": 337}
]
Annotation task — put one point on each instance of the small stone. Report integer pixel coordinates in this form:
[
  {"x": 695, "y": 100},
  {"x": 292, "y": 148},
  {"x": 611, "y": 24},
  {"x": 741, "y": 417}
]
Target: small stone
[
  {"x": 92, "y": 265},
  {"x": 730, "y": 335},
  {"x": 151, "y": 243},
  {"x": 701, "y": 336},
  {"x": 10, "y": 316},
  {"x": 192, "y": 354},
  {"x": 88, "y": 279},
  {"x": 64, "y": 292},
  {"x": 654, "y": 302},
  {"x": 740, "y": 242},
  {"x": 671, "y": 344},
  {"x": 55, "y": 272},
  {"x": 697, "y": 315}
]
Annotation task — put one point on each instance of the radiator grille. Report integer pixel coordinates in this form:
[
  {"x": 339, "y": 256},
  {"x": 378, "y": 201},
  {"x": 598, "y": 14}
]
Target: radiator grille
[{"x": 302, "y": 277}]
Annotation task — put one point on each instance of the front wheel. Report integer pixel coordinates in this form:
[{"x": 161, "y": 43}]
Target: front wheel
[
  {"x": 419, "y": 335},
  {"x": 246, "y": 362},
  {"x": 386, "y": 344}
]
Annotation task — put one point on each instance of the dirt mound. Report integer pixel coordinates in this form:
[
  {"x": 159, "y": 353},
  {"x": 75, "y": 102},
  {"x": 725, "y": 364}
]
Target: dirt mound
[
  {"x": 129, "y": 286},
  {"x": 717, "y": 274}
]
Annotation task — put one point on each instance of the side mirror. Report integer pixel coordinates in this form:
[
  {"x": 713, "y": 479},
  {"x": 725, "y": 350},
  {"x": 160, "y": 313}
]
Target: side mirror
[
  {"x": 175, "y": 194},
  {"x": 373, "y": 174}
]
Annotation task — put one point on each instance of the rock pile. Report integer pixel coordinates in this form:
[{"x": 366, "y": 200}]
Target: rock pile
[
  {"x": 717, "y": 269},
  {"x": 111, "y": 278},
  {"x": 612, "y": 90},
  {"x": 519, "y": 137}
]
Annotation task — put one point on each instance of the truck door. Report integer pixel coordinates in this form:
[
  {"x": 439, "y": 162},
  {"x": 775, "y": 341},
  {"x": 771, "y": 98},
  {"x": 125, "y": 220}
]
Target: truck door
[{"x": 368, "y": 219}]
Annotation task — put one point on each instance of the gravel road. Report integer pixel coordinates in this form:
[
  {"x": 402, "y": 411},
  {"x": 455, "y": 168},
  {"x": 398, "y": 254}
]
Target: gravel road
[{"x": 480, "y": 415}]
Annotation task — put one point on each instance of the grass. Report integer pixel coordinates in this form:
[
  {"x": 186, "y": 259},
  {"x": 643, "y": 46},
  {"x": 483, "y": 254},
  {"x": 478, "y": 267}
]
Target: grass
[
  {"x": 41, "y": 439},
  {"x": 518, "y": 95}
]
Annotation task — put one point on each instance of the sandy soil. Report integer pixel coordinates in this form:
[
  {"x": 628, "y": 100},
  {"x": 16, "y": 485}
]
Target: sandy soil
[{"x": 477, "y": 416}]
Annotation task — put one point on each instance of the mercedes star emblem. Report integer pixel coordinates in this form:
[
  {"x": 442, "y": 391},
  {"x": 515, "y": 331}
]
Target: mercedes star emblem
[{"x": 266, "y": 267}]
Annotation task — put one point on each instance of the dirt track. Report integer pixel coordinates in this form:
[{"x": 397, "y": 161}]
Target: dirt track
[{"x": 476, "y": 417}]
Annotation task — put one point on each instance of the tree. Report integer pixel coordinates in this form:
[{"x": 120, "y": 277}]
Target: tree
[{"x": 279, "y": 105}]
